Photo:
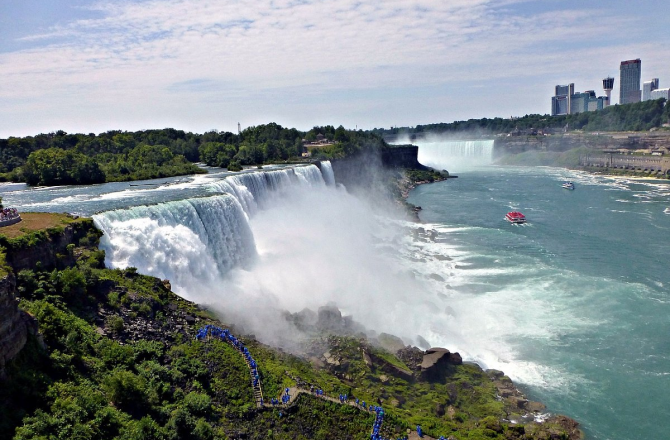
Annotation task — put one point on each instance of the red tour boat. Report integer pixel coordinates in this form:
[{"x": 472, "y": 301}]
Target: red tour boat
[{"x": 515, "y": 217}]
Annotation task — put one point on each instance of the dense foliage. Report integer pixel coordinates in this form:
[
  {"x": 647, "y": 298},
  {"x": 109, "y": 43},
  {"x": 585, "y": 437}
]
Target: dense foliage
[
  {"x": 629, "y": 117},
  {"x": 55, "y": 166},
  {"x": 62, "y": 158}
]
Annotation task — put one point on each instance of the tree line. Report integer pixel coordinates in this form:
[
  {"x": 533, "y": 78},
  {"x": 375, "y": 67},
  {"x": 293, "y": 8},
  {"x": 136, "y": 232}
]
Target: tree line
[
  {"x": 61, "y": 158},
  {"x": 629, "y": 117}
]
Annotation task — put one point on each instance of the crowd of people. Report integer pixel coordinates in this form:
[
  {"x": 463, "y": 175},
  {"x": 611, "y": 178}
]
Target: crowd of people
[
  {"x": 8, "y": 214},
  {"x": 226, "y": 336}
]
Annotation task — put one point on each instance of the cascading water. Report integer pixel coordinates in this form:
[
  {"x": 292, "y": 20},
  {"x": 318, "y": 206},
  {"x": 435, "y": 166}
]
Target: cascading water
[
  {"x": 327, "y": 172},
  {"x": 253, "y": 190},
  {"x": 195, "y": 242},
  {"x": 447, "y": 154},
  {"x": 187, "y": 241}
]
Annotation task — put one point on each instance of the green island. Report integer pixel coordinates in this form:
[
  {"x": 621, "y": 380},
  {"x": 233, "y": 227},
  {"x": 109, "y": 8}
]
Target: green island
[
  {"x": 64, "y": 159},
  {"x": 113, "y": 354}
]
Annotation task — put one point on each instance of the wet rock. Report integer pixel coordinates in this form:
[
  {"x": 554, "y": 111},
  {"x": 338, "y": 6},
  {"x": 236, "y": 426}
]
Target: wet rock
[
  {"x": 411, "y": 356},
  {"x": 436, "y": 361},
  {"x": 436, "y": 277},
  {"x": 421, "y": 342},
  {"x": 329, "y": 318},
  {"x": 367, "y": 359},
  {"x": 390, "y": 342}
]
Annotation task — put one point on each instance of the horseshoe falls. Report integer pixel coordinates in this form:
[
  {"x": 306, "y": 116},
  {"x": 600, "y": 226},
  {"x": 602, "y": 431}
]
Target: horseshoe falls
[{"x": 455, "y": 155}]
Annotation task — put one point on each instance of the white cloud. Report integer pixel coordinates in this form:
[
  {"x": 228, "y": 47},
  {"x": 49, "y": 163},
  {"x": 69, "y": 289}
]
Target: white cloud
[{"x": 141, "y": 57}]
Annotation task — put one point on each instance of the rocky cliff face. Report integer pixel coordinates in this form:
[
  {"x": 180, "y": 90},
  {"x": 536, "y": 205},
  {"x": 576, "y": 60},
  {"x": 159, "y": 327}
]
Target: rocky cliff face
[
  {"x": 561, "y": 143},
  {"x": 372, "y": 170},
  {"x": 51, "y": 251},
  {"x": 14, "y": 324}
]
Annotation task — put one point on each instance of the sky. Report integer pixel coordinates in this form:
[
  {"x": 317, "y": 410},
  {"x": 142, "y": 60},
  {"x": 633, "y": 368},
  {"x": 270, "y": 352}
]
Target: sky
[{"x": 88, "y": 66}]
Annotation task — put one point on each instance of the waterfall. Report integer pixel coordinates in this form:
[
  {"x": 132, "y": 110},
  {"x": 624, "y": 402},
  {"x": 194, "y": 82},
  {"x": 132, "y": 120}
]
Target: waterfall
[
  {"x": 195, "y": 242},
  {"x": 187, "y": 241},
  {"x": 253, "y": 190},
  {"x": 327, "y": 172},
  {"x": 460, "y": 153}
]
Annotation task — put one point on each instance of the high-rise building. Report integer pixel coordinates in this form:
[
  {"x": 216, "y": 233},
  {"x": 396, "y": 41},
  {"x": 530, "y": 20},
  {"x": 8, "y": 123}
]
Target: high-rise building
[
  {"x": 587, "y": 102},
  {"x": 648, "y": 87},
  {"x": 608, "y": 85},
  {"x": 660, "y": 93},
  {"x": 630, "y": 73},
  {"x": 561, "y": 101}
]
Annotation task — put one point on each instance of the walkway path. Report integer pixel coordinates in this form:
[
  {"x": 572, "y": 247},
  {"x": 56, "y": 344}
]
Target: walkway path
[{"x": 290, "y": 395}]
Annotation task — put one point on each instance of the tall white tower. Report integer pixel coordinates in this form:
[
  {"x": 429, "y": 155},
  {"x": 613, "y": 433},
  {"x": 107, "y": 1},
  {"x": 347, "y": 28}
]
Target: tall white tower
[{"x": 608, "y": 85}]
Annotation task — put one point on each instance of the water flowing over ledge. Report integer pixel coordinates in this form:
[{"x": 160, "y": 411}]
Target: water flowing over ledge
[
  {"x": 198, "y": 240},
  {"x": 454, "y": 154}
]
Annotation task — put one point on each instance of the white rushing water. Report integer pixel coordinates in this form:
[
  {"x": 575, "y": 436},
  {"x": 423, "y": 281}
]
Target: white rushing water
[
  {"x": 196, "y": 242},
  {"x": 455, "y": 155}
]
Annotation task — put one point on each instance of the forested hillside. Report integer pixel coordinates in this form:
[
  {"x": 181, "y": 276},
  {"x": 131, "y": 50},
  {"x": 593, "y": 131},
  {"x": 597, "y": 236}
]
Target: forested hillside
[{"x": 630, "y": 117}]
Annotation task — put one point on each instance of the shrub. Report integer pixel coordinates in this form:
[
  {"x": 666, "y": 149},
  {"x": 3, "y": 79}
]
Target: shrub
[{"x": 114, "y": 323}]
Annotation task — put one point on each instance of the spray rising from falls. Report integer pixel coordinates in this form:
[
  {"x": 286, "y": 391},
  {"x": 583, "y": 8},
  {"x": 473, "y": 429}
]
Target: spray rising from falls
[
  {"x": 447, "y": 154},
  {"x": 286, "y": 240},
  {"x": 196, "y": 242},
  {"x": 187, "y": 241}
]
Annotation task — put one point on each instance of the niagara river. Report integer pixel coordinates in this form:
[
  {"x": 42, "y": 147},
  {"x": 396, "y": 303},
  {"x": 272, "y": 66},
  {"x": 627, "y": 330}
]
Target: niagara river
[{"x": 573, "y": 305}]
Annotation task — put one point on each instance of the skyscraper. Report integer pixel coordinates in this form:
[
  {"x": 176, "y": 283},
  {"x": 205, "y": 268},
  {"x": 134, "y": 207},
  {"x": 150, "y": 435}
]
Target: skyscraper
[
  {"x": 648, "y": 87},
  {"x": 561, "y": 101},
  {"x": 629, "y": 81}
]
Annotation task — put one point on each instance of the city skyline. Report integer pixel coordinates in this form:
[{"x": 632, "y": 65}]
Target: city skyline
[{"x": 96, "y": 65}]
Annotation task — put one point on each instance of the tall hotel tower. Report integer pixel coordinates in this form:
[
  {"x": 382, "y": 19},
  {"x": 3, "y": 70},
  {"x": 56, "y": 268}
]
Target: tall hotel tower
[{"x": 629, "y": 81}]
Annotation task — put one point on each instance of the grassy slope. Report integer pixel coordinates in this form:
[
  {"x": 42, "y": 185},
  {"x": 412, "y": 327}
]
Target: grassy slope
[{"x": 36, "y": 221}]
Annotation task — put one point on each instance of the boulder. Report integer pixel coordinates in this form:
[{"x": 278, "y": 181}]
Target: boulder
[
  {"x": 421, "y": 342},
  {"x": 390, "y": 342},
  {"x": 329, "y": 318},
  {"x": 436, "y": 361}
]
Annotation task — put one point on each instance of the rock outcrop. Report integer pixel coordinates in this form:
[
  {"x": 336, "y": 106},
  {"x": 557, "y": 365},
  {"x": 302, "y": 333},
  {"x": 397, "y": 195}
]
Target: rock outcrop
[
  {"x": 15, "y": 325},
  {"x": 51, "y": 251},
  {"x": 438, "y": 360}
]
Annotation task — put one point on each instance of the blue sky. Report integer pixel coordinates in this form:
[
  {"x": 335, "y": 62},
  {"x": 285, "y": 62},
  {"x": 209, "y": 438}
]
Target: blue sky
[{"x": 91, "y": 66}]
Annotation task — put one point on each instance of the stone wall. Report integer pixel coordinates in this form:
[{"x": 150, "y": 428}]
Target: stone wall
[{"x": 568, "y": 141}]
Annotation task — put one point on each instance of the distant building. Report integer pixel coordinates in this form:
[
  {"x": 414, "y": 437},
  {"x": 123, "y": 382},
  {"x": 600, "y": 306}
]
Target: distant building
[
  {"x": 660, "y": 93},
  {"x": 561, "y": 101},
  {"x": 587, "y": 102},
  {"x": 630, "y": 73},
  {"x": 566, "y": 101},
  {"x": 608, "y": 85},
  {"x": 648, "y": 87}
]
